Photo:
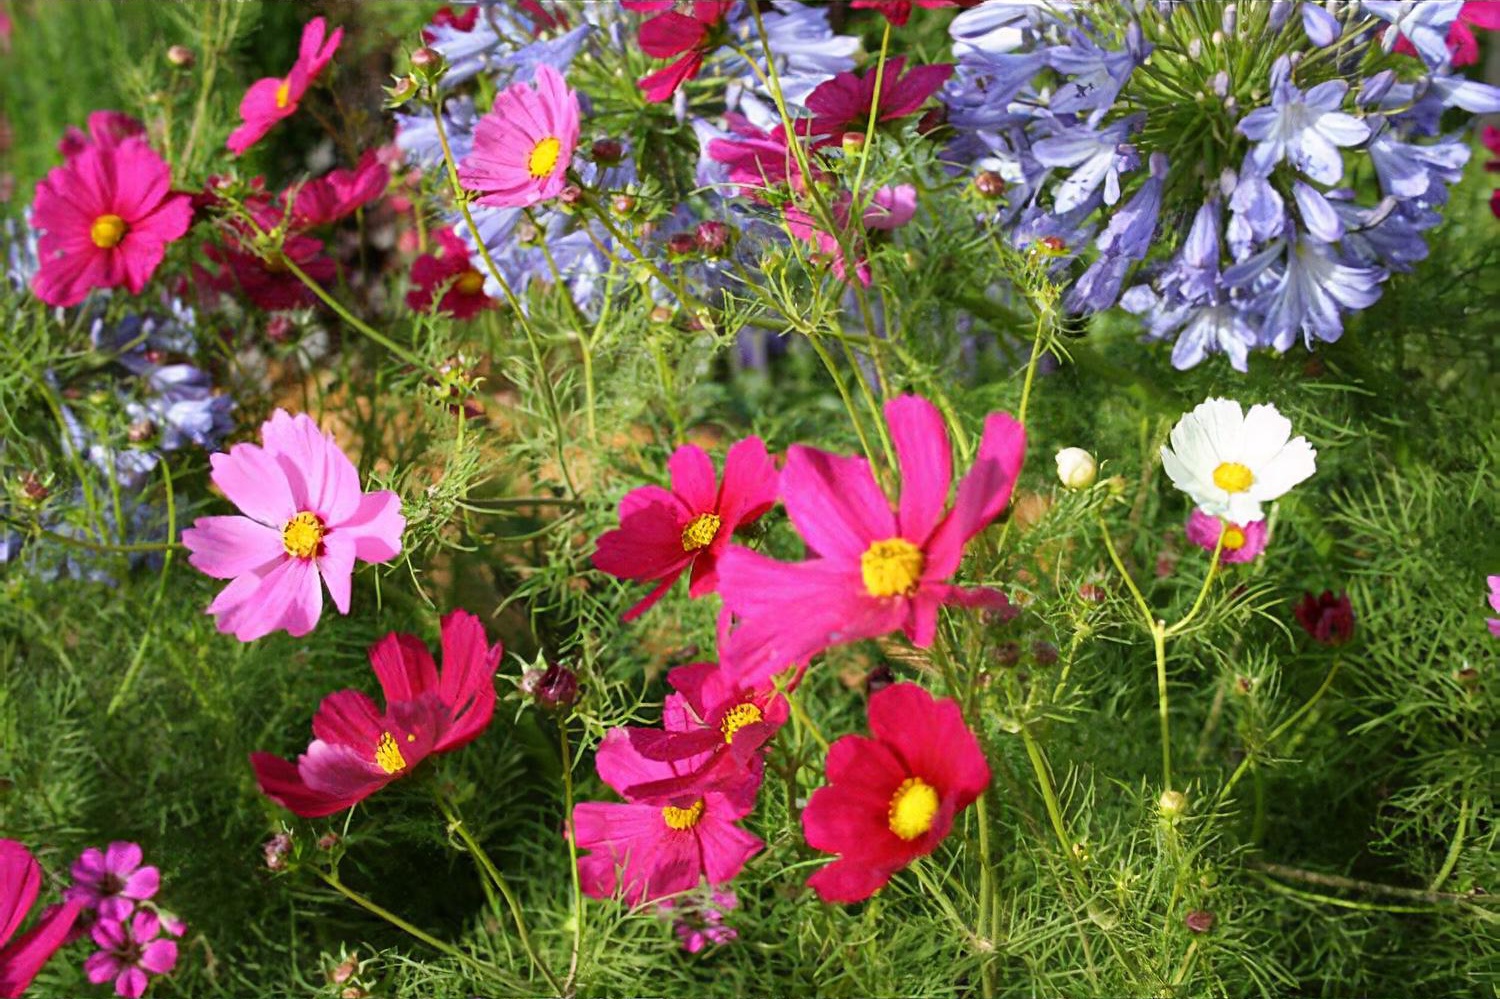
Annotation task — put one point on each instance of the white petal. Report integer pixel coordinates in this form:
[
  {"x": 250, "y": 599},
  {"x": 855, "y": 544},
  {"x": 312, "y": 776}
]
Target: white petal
[
  {"x": 1243, "y": 508},
  {"x": 1266, "y": 433},
  {"x": 1291, "y": 465}
]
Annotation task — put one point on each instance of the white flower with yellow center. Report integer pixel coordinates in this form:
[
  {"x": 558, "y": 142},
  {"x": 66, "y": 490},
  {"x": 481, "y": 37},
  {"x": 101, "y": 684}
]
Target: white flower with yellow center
[{"x": 1230, "y": 461}]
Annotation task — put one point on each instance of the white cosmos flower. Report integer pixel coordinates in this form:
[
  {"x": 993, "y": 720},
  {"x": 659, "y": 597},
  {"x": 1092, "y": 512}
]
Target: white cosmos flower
[{"x": 1230, "y": 461}]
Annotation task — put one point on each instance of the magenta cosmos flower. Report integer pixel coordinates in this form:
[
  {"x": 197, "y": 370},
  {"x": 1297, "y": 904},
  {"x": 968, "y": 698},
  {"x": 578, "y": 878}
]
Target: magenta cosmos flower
[
  {"x": 339, "y": 193},
  {"x": 876, "y": 570},
  {"x": 271, "y": 99},
  {"x": 22, "y": 957},
  {"x": 305, "y": 518},
  {"x": 843, "y": 104},
  {"x": 1494, "y": 623},
  {"x": 522, "y": 148},
  {"x": 357, "y": 749},
  {"x": 891, "y": 798},
  {"x": 648, "y": 847},
  {"x": 450, "y": 280},
  {"x": 106, "y": 215},
  {"x": 112, "y": 880},
  {"x": 685, "y": 31},
  {"x": 106, "y": 128},
  {"x": 129, "y": 953},
  {"x": 663, "y": 533},
  {"x": 1242, "y": 542}
]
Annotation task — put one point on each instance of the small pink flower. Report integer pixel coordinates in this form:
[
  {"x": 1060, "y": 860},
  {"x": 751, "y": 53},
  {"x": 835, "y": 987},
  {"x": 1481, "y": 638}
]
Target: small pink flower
[
  {"x": 129, "y": 953},
  {"x": 843, "y": 104},
  {"x": 523, "y": 146},
  {"x": 112, "y": 880},
  {"x": 453, "y": 275},
  {"x": 1242, "y": 542},
  {"x": 304, "y": 517},
  {"x": 106, "y": 215},
  {"x": 756, "y": 158},
  {"x": 889, "y": 209},
  {"x": 22, "y": 957},
  {"x": 339, "y": 193},
  {"x": 876, "y": 570},
  {"x": 1494, "y": 623},
  {"x": 663, "y": 534},
  {"x": 271, "y": 99}
]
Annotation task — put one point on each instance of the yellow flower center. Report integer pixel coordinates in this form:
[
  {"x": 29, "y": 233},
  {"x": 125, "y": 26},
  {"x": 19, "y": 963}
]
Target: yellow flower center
[
  {"x": 543, "y": 159},
  {"x": 1232, "y": 477},
  {"x": 284, "y": 93},
  {"x": 913, "y": 807},
  {"x": 892, "y": 568},
  {"x": 700, "y": 532},
  {"x": 469, "y": 283},
  {"x": 683, "y": 818},
  {"x": 303, "y": 535},
  {"x": 388, "y": 755},
  {"x": 107, "y": 231},
  {"x": 737, "y": 718},
  {"x": 1234, "y": 538}
]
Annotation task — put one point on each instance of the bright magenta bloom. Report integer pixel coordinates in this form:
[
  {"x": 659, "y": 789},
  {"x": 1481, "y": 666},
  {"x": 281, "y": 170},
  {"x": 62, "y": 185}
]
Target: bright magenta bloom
[
  {"x": 1242, "y": 542},
  {"x": 304, "y": 517},
  {"x": 876, "y": 570},
  {"x": 649, "y": 847},
  {"x": 891, "y": 798},
  {"x": 106, "y": 215},
  {"x": 453, "y": 275},
  {"x": 112, "y": 880},
  {"x": 1494, "y": 623},
  {"x": 357, "y": 750},
  {"x": 673, "y": 33},
  {"x": 898, "y": 11},
  {"x": 523, "y": 147},
  {"x": 271, "y": 99},
  {"x": 21, "y": 958},
  {"x": 756, "y": 158},
  {"x": 106, "y": 128},
  {"x": 662, "y": 533},
  {"x": 339, "y": 193},
  {"x": 843, "y": 103},
  {"x": 130, "y": 952}
]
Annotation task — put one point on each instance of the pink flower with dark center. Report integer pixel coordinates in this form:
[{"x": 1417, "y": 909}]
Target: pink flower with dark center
[
  {"x": 357, "y": 749},
  {"x": 271, "y": 99},
  {"x": 689, "y": 36},
  {"x": 524, "y": 145},
  {"x": 899, "y": 11},
  {"x": 664, "y": 533},
  {"x": 892, "y": 798},
  {"x": 888, "y": 210},
  {"x": 305, "y": 518},
  {"x": 339, "y": 193},
  {"x": 1482, "y": 14},
  {"x": 649, "y": 848},
  {"x": 106, "y": 216},
  {"x": 130, "y": 952},
  {"x": 107, "y": 129},
  {"x": 843, "y": 104},
  {"x": 112, "y": 880},
  {"x": 875, "y": 570},
  {"x": 1242, "y": 542},
  {"x": 453, "y": 276},
  {"x": 21, "y": 958}
]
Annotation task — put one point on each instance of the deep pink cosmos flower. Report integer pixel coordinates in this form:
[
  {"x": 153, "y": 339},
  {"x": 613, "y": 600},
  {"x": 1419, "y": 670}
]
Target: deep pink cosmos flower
[
  {"x": 357, "y": 750},
  {"x": 1494, "y": 623},
  {"x": 22, "y": 957},
  {"x": 265, "y": 281},
  {"x": 106, "y": 215},
  {"x": 891, "y": 798},
  {"x": 663, "y": 533},
  {"x": 1482, "y": 14},
  {"x": 898, "y": 11},
  {"x": 523, "y": 146},
  {"x": 1242, "y": 542},
  {"x": 671, "y": 32},
  {"x": 129, "y": 953},
  {"x": 106, "y": 129},
  {"x": 648, "y": 848},
  {"x": 757, "y": 158},
  {"x": 889, "y": 209},
  {"x": 451, "y": 275},
  {"x": 112, "y": 880},
  {"x": 304, "y": 518},
  {"x": 876, "y": 570},
  {"x": 271, "y": 99},
  {"x": 447, "y": 18},
  {"x": 339, "y": 193},
  {"x": 843, "y": 104},
  {"x": 712, "y": 727},
  {"x": 1491, "y": 136},
  {"x": 1327, "y": 617}
]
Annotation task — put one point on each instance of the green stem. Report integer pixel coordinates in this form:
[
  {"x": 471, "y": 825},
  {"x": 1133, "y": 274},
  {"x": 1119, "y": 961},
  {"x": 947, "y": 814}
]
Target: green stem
[
  {"x": 1213, "y": 567},
  {"x": 1281, "y": 729},
  {"x": 1049, "y": 796},
  {"x": 1455, "y": 848},
  {"x": 353, "y": 320},
  {"x": 1159, "y": 645},
  {"x": 567, "y": 774}
]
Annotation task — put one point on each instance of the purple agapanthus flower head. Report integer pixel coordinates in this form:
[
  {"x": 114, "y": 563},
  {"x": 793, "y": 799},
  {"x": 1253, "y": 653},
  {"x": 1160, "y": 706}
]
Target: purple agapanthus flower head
[
  {"x": 1303, "y": 287},
  {"x": 130, "y": 952},
  {"x": 1098, "y": 158},
  {"x": 111, "y": 881},
  {"x": 1306, "y": 129}
]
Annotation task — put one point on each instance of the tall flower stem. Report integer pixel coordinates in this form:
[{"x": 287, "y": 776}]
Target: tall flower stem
[
  {"x": 350, "y": 318},
  {"x": 487, "y": 866},
  {"x": 567, "y": 776}
]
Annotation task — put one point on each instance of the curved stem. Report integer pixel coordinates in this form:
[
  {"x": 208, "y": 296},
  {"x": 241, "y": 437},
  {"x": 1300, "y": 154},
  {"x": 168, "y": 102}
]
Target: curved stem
[
  {"x": 1213, "y": 567},
  {"x": 1281, "y": 729}
]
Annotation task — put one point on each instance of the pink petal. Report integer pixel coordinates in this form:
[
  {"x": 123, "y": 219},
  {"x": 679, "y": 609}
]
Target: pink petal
[
  {"x": 142, "y": 884},
  {"x": 749, "y": 489},
  {"x": 834, "y": 503},
  {"x": 848, "y": 881},
  {"x": 467, "y": 683},
  {"x": 255, "y": 483},
  {"x": 131, "y": 984},
  {"x": 349, "y": 718},
  {"x": 321, "y": 476},
  {"x": 403, "y": 666},
  {"x": 159, "y": 957},
  {"x": 693, "y": 479},
  {"x": 280, "y": 781},
  {"x": 20, "y": 881},
  {"x": 376, "y": 526},
  {"x": 100, "y": 967},
  {"x": 226, "y": 547},
  {"x": 336, "y": 566},
  {"x": 982, "y": 494},
  {"x": 280, "y": 599},
  {"x": 648, "y": 542},
  {"x": 926, "y": 459},
  {"x": 725, "y": 848}
]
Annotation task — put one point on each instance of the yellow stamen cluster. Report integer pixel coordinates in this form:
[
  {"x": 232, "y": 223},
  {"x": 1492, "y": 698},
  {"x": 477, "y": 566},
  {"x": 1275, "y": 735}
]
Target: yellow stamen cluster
[
  {"x": 913, "y": 807},
  {"x": 107, "y": 231},
  {"x": 892, "y": 568},
  {"x": 737, "y": 718},
  {"x": 1234, "y": 538},
  {"x": 284, "y": 93},
  {"x": 543, "y": 158},
  {"x": 303, "y": 535},
  {"x": 1232, "y": 477},
  {"x": 388, "y": 755},
  {"x": 683, "y": 818},
  {"x": 700, "y": 532},
  {"x": 469, "y": 283}
]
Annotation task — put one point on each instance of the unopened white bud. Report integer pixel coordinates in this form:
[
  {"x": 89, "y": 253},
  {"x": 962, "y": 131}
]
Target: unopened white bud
[{"x": 1076, "y": 468}]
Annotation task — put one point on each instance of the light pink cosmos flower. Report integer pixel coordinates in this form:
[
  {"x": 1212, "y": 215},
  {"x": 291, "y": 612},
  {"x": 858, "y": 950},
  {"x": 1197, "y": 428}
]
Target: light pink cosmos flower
[
  {"x": 129, "y": 953},
  {"x": 106, "y": 215},
  {"x": 1242, "y": 542},
  {"x": 112, "y": 880},
  {"x": 889, "y": 209},
  {"x": 1494, "y": 623},
  {"x": 273, "y": 98},
  {"x": 876, "y": 570},
  {"x": 304, "y": 517},
  {"x": 523, "y": 147}
]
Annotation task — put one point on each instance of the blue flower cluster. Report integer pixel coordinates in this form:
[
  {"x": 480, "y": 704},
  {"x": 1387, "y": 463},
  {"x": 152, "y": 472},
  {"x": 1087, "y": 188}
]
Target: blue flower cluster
[{"x": 1215, "y": 155}]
